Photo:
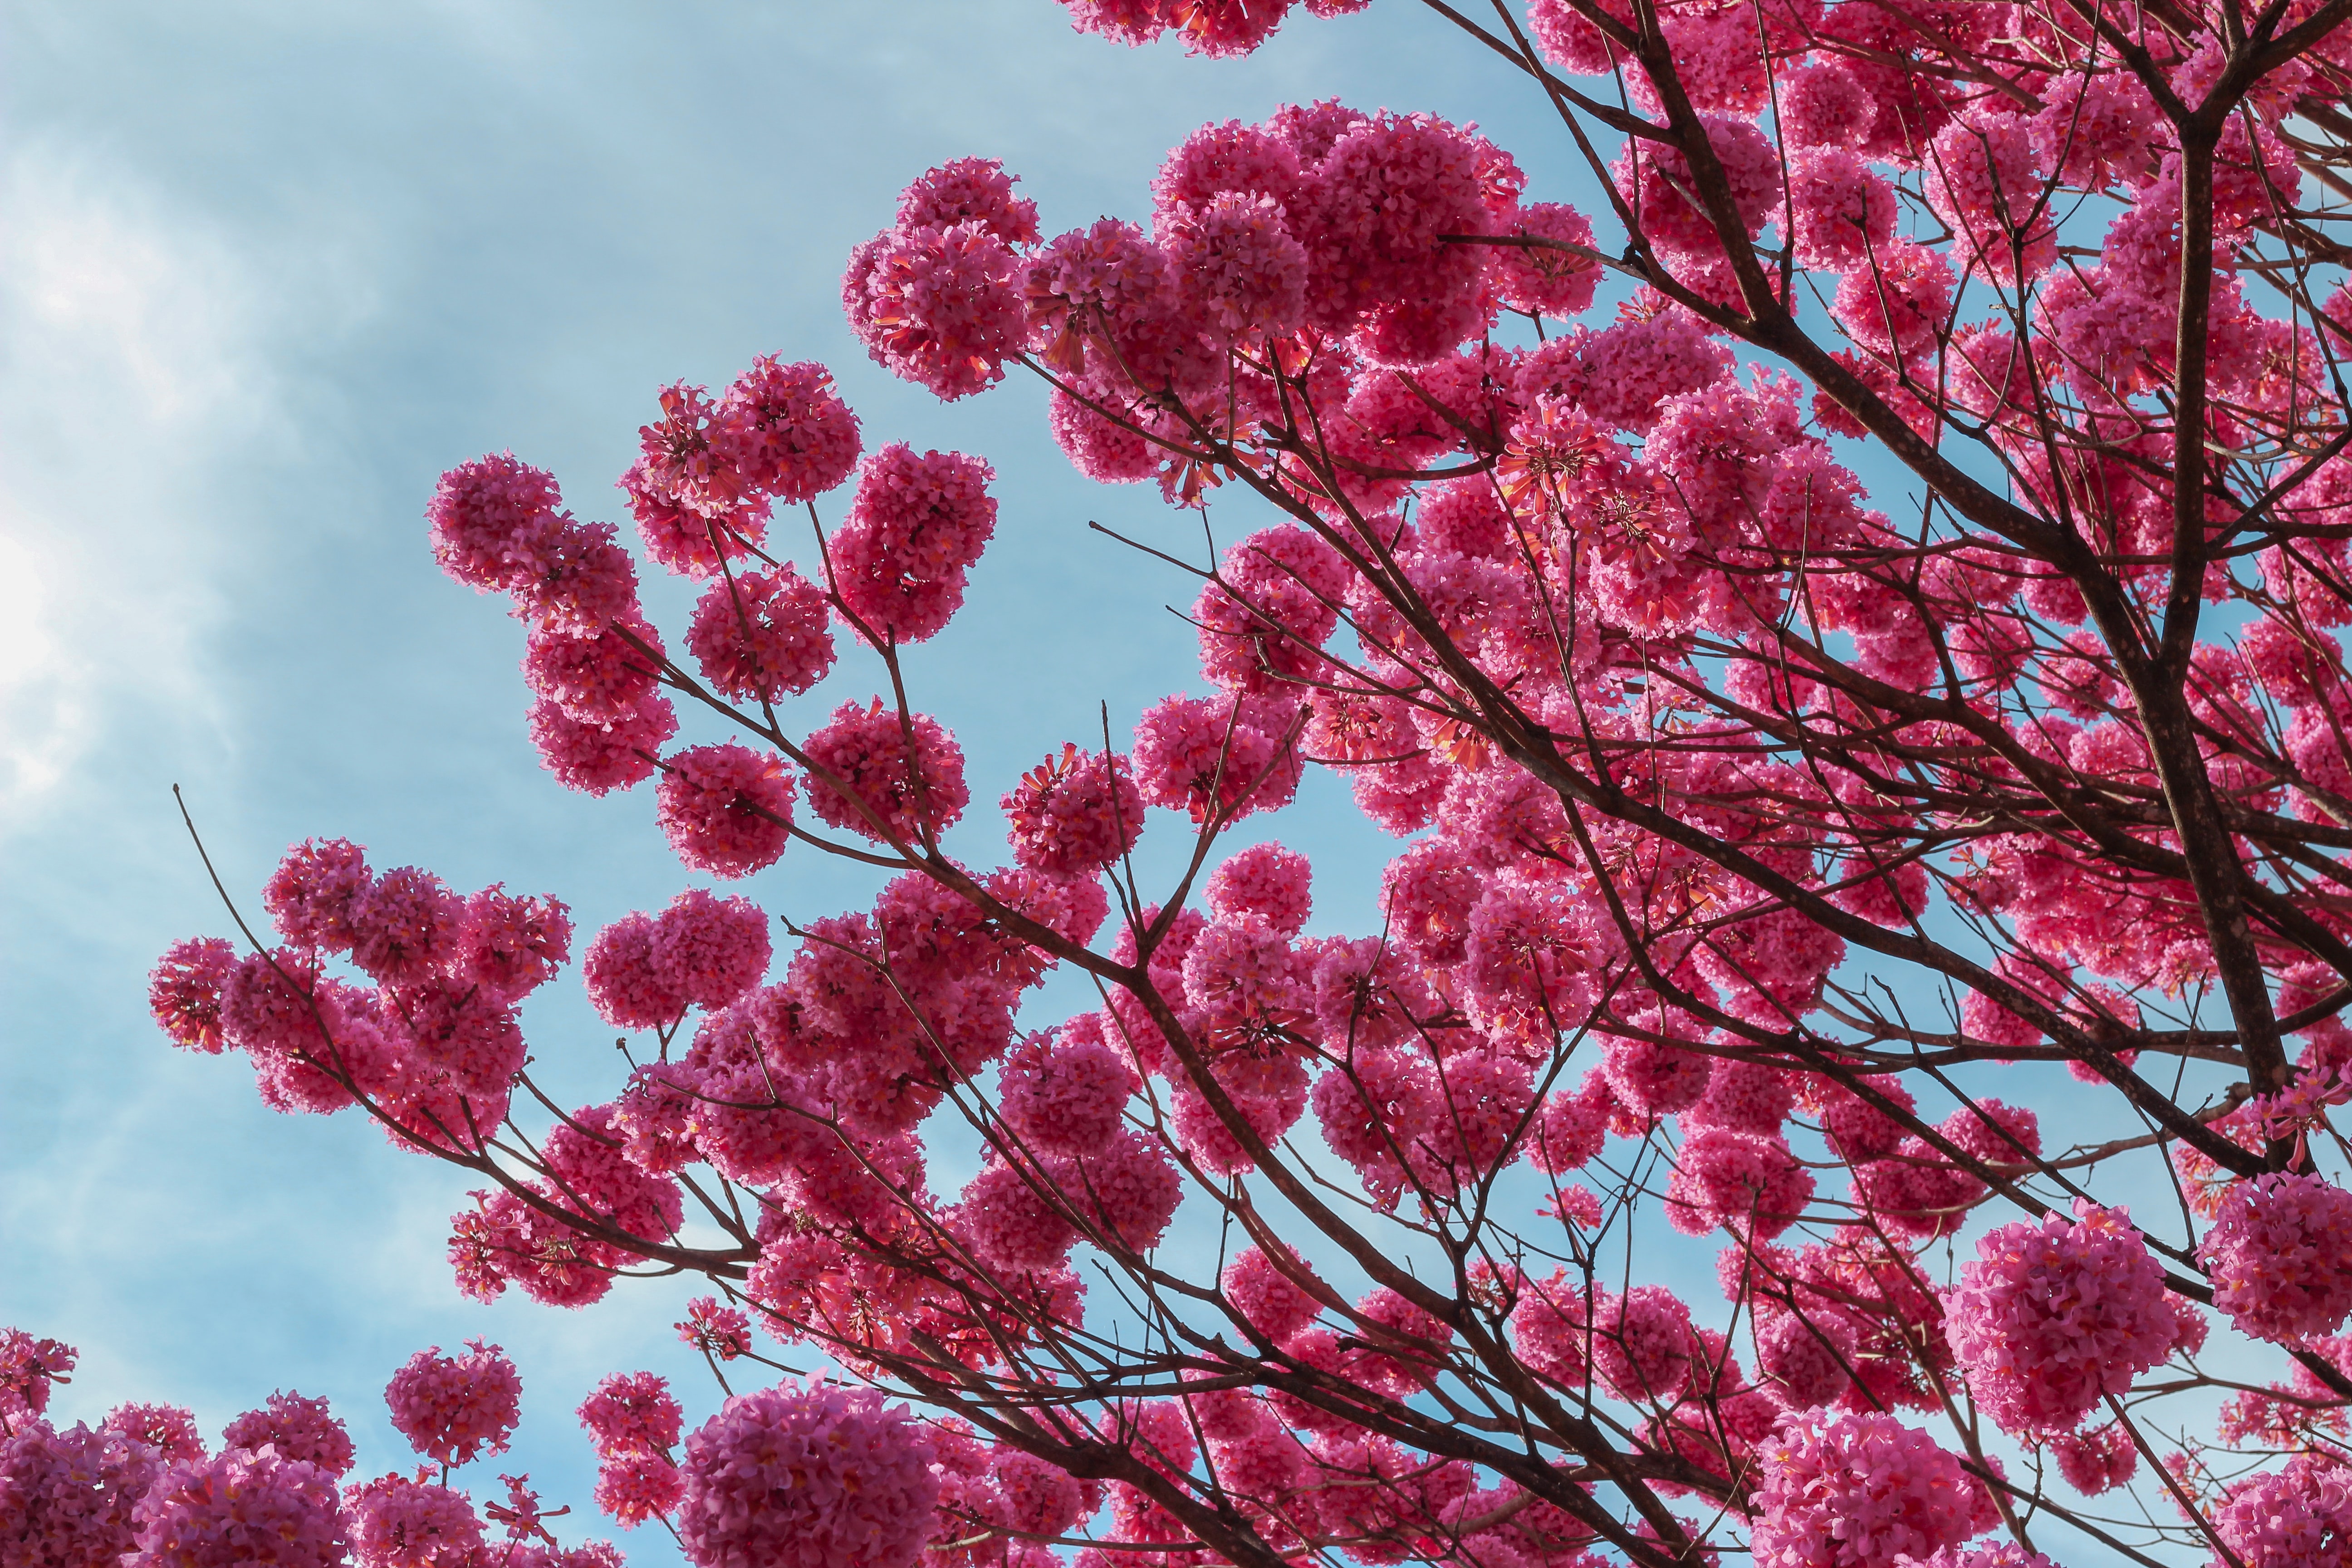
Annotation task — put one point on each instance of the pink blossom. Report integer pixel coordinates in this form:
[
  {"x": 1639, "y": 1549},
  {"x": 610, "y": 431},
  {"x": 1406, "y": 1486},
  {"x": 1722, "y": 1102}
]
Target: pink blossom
[
  {"x": 1014, "y": 1219},
  {"x": 726, "y": 809},
  {"x": 184, "y": 992},
  {"x": 1748, "y": 1181},
  {"x": 298, "y": 1428},
  {"x": 240, "y": 1508},
  {"x": 1657, "y": 177},
  {"x": 1275, "y": 602},
  {"x": 1074, "y": 814},
  {"x": 2051, "y": 1317},
  {"x": 631, "y": 1413},
  {"x": 1622, "y": 374},
  {"x": 1227, "y": 158},
  {"x": 2299, "y": 1516},
  {"x": 785, "y": 432},
  {"x": 1859, "y": 1491},
  {"x": 633, "y": 1487},
  {"x": 1040, "y": 1497},
  {"x": 721, "y": 1331},
  {"x": 680, "y": 464},
  {"x": 712, "y": 950},
  {"x": 685, "y": 541},
  {"x": 579, "y": 583},
  {"x": 1899, "y": 303},
  {"x": 937, "y": 306},
  {"x": 1110, "y": 447},
  {"x": 1369, "y": 220},
  {"x": 589, "y": 1175},
  {"x": 919, "y": 523},
  {"x": 1545, "y": 279},
  {"x": 1982, "y": 182},
  {"x": 1845, "y": 213},
  {"x": 762, "y": 636},
  {"x": 452, "y": 1408},
  {"x": 406, "y": 926},
  {"x": 2279, "y": 1253},
  {"x": 397, "y": 1522},
  {"x": 1270, "y": 1297},
  {"x": 1807, "y": 1358},
  {"x": 1823, "y": 105},
  {"x": 1572, "y": 1127},
  {"x": 68, "y": 1498},
  {"x": 314, "y": 893},
  {"x": 1569, "y": 40},
  {"x": 168, "y": 1429},
  {"x": 597, "y": 759},
  {"x": 807, "y": 1475},
  {"x": 1235, "y": 265},
  {"x": 1064, "y": 1097},
  {"x": 2097, "y": 1461},
  {"x": 490, "y": 520},
  {"x": 1126, "y": 1188},
  {"x": 599, "y": 679},
  {"x": 2001, "y": 1554},
  {"x": 866, "y": 749},
  {"x": 626, "y": 984},
  {"x": 970, "y": 190},
  {"x": 510, "y": 946}
]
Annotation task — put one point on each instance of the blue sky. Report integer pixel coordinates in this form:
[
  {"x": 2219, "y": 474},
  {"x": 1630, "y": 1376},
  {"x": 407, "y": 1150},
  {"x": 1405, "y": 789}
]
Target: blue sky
[
  {"x": 268, "y": 268},
  {"x": 266, "y": 272}
]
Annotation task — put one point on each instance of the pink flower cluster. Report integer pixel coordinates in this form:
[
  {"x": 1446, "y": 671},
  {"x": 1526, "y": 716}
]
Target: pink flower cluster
[
  {"x": 455, "y": 1408},
  {"x": 433, "y": 1046},
  {"x": 918, "y": 525},
  {"x": 807, "y": 1475},
  {"x": 2051, "y": 1319},
  {"x": 298, "y": 1428},
  {"x": 245, "y": 1506},
  {"x": 644, "y": 971},
  {"x": 141, "y": 1489},
  {"x": 634, "y": 1422},
  {"x": 710, "y": 471},
  {"x": 2279, "y": 1253},
  {"x": 1859, "y": 1491}
]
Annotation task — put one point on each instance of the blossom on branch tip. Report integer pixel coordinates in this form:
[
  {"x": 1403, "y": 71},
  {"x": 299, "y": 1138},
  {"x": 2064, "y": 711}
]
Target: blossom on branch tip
[
  {"x": 726, "y": 809},
  {"x": 455, "y": 1408}
]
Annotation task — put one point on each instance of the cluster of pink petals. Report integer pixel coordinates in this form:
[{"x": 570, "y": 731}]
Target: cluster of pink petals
[
  {"x": 240, "y": 1508},
  {"x": 726, "y": 809},
  {"x": 168, "y": 1429},
  {"x": 643, "y": 971},
  {"x": 298, "y": 1428},
  {"x": 633, "y": 1423},
  {"x": 724, "y": 1332},
  {"x": 762, "y": 636},
  {"x": 433, "y": 1045},
  {"x": 2051, "y": 1319},
  {"x": 2279, "y": 1253},
  {"x": 27, "y": 1368},
  {"x": 72, "y": 1496},
  {"x": 2299, "y": 1516},
  {"x": 916, "y": 527},
  {"x": 397, "y": 1522},
  {"x": 807, "y": 1475},
  {"x": 1074, "y": 814},
  {"x": 868, "y": 748},
  {"x": 1859, "y": 1491},
  {"x": 455, "y": 1408}
]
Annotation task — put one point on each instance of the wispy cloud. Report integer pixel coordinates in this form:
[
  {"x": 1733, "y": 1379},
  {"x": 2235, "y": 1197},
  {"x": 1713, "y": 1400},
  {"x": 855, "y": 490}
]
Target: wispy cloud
[{"x": 141, "y": 379}]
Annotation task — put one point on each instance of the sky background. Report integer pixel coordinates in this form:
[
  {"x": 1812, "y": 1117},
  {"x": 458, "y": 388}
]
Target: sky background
[{"x": 265, "y": 272}]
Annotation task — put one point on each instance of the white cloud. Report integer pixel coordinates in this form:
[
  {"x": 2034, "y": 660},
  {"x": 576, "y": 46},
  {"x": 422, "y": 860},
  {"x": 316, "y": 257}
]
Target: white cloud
[{"x": 137, "y": 384}]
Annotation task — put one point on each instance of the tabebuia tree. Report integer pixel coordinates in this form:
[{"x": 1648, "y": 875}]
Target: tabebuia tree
[{"x": 1749, "y": 816}]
